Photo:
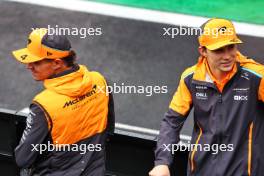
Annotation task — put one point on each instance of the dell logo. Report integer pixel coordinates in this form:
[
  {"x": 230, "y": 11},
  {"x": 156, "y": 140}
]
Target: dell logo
[{"x": 201, "y": 94}]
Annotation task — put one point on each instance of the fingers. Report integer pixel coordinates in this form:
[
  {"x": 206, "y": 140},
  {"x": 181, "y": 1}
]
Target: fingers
[{"x": 160, "y": 170}]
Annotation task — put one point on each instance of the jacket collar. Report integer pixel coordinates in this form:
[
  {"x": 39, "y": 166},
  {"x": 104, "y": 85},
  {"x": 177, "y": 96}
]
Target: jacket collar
[
  {"x": 203, "y": 76},
  {"x": 73, "y": 69}
]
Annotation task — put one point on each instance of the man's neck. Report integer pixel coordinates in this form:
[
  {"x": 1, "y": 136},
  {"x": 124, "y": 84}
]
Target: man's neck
[
  {"x": 62, "y": 69},
  {"x": 65, "y": 71},
  {"x": 219, "y": 75}
]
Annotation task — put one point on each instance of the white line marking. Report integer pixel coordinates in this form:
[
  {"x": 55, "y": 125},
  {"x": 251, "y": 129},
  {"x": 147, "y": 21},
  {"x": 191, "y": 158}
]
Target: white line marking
[
  {"x": 145, "y": 130},
  {"x": 25, "y": 111},
  {"x": 142, "y": 14},
  {"x": 135, "y": 128},
  {"x": 6, "y": 154}
]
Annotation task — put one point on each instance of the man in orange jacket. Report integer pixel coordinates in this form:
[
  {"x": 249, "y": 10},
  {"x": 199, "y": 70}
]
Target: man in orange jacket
[
  {"x": 226, "y": 90},
  {"x": 68, "y": 121}
]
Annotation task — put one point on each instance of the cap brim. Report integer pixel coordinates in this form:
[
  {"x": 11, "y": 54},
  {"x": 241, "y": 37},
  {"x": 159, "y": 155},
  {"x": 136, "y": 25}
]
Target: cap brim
[
  {"x": 223, "y": 43},
  {"x": 25, "y": 57}
]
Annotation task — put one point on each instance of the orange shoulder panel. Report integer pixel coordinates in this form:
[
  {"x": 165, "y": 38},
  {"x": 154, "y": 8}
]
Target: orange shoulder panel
[{"x": 182, "y": 99}]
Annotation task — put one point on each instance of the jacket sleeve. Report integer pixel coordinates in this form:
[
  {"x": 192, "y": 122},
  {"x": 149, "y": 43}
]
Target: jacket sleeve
[
  {"x": 34, "y": 134},
  {"x": 261, "y": 89},
  {"x": 111, "y": 109},
  {"x": 111, "y": 115},
  {"x": 172, "y": 123},
  {"x": 260, "y": 70}
]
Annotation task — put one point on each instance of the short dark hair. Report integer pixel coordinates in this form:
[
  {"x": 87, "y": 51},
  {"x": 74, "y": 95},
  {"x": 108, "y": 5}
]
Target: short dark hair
[{"x": 70, "y": 59}]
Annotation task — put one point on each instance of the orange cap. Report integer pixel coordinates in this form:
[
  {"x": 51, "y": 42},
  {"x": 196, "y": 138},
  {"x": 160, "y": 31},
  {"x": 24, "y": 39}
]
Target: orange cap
[
  {"x": 218, "y": 33},
  {"x": 38, "y": 49}
]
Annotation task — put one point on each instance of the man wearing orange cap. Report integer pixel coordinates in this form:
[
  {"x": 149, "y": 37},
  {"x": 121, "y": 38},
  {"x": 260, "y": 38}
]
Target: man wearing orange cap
[
  {"x": 68, "y": 120},
  {"x": 226, "y": 90}
]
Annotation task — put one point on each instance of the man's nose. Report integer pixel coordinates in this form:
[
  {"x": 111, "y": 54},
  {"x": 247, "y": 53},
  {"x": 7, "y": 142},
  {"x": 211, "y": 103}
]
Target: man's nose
[
  {"x": 227, "y": 54},
  {"x": 29, "y": 66}
]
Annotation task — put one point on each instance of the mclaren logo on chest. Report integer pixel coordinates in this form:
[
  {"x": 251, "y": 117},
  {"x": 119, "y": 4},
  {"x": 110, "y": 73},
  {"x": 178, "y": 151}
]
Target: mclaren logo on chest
[
  {"x": 81, "y": 98},
  {"x": 245, "y": 76}
]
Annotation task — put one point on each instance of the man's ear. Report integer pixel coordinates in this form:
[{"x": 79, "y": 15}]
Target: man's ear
[
  {"x": 57, "y": 64},
  {"x": 202, "y": 51}
]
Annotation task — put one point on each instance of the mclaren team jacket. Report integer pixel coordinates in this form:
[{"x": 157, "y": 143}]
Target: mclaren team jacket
[
  {"x": 228, "y": 115},
  {"x": 66, "y": 128}
]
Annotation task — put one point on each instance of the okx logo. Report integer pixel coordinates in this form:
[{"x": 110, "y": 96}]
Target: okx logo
[{"x": 240, "y": 98}]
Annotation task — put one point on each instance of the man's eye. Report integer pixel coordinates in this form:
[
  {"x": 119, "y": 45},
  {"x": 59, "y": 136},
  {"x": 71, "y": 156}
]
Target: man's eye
[
  {"x": 37, "y": 62},
  {"x": 219, "y": 50},
  {"x": 230, "y": 47}
]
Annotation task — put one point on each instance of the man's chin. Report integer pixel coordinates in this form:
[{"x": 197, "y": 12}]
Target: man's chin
[
  {"x": 227, "y": 68},
  {"x": 36, "y": 78}
]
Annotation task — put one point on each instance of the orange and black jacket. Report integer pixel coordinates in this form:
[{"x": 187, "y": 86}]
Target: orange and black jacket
[
  {"x": 74, "y": 110},
  {"x": 230, "y": 113}
]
